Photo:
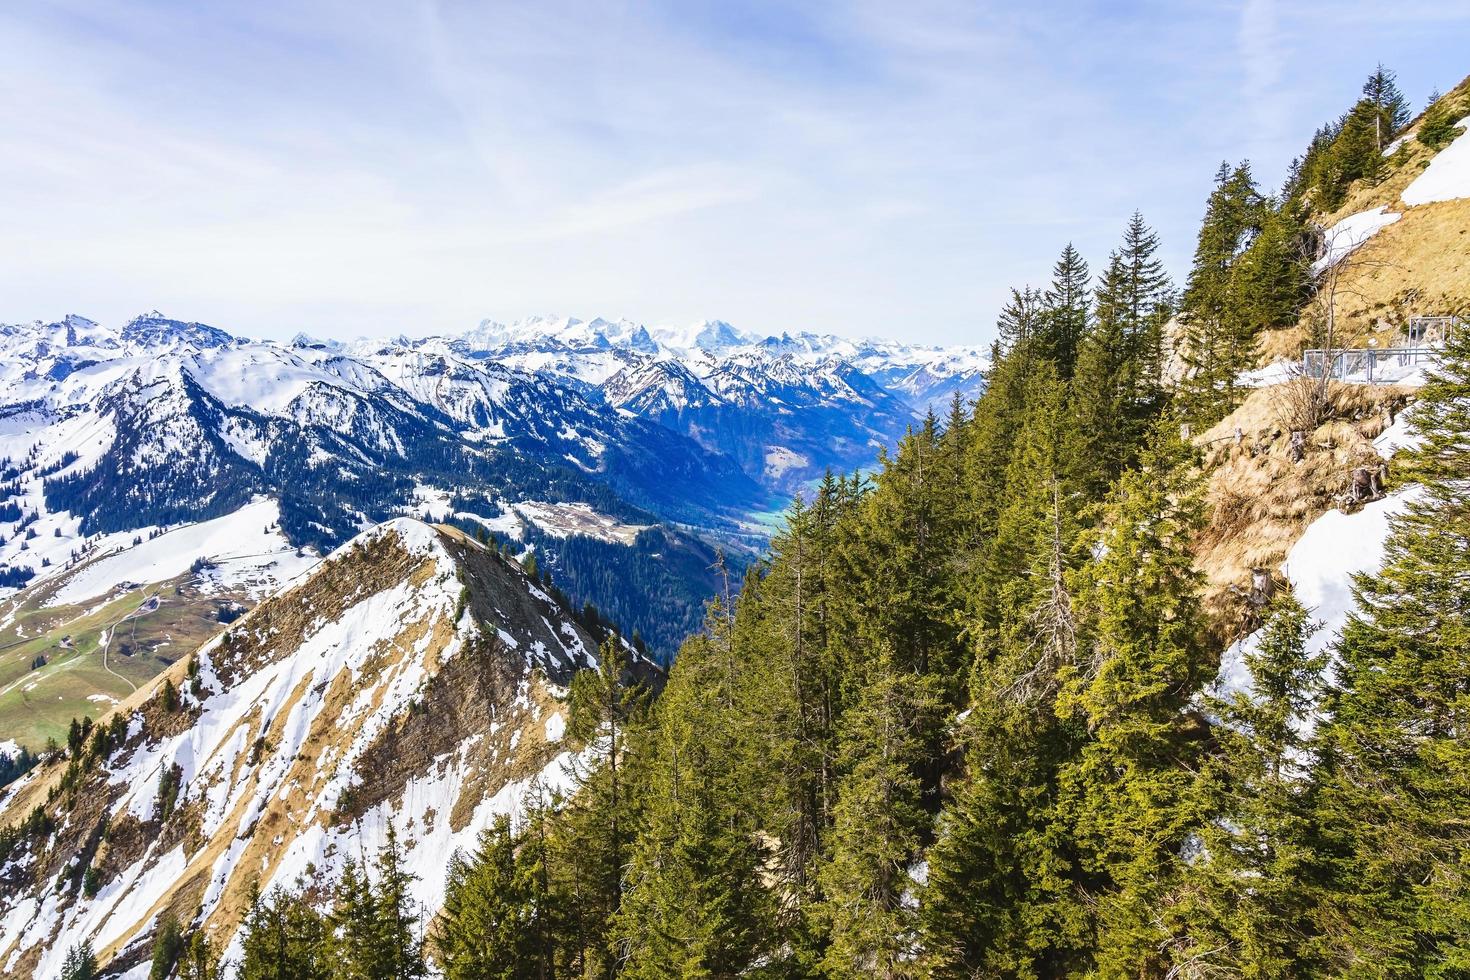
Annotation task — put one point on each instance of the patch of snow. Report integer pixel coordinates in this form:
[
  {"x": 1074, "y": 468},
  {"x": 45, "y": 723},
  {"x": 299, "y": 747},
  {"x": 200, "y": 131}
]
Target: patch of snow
[
  {"x": 1321, "y": 566},
  {"x": 1345, "y": 237},
  {"x": 1274, "y": 373},
  {"x": 1447, "y": 177},
  {"x": 247, "y": 547}
]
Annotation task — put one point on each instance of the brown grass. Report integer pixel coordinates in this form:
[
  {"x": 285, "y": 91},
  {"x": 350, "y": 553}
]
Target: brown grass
[
  {"x": 1417, "y": 266},
  {"x": 1420, "y": 265},
  {"x": 1260, "y": 501}
]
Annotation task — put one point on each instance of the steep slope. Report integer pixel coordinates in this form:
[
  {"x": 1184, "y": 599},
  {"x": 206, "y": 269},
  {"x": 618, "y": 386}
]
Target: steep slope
[
  {"x": 1399, "y": 244},
  {"x": 410, "y": 680}
]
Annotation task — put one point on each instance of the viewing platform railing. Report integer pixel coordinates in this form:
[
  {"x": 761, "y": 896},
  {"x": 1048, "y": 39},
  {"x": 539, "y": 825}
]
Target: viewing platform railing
[{"x": 1369, "y": 365}]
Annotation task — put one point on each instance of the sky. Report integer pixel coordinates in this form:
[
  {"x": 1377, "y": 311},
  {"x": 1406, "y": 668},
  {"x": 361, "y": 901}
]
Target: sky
[{"x": 375, "y": 167}]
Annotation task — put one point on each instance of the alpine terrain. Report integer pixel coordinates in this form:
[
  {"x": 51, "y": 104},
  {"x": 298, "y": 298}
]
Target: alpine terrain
[{"x": 1134, "y": 646}]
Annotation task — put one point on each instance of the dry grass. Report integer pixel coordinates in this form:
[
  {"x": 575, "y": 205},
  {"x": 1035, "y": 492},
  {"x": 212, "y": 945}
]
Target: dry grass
[
  {"x": 1417, "y": 266},
  {"x": 1260, "y": 501},
  {"x": 1420, "y": 265}
]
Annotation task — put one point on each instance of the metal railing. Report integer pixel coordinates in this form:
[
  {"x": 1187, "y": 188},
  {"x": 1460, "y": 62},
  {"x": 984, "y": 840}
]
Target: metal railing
[
  {"x": 1429, "y": 330},
  {"x": 1368, "y": 365}
]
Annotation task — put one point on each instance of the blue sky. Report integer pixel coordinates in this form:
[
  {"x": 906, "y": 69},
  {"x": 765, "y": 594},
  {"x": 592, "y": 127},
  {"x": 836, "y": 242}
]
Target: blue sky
[{"x": 373, "y": 167}]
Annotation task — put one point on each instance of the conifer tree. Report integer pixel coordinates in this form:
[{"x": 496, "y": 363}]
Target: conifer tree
[
  {"x": 1391, "y": 109},
  {"x": 1255, "y": 875},
  {"x": 1395, "y": 771},
  {"x": 80, "y": 962},
  {"x": 1131, "y": 794},
  {"x": 1065, "y": 310},
  {"x": 695, "y": 905},
  {"x": 1119, "y": 384},
  {"x": 1000, "y": 898},
  {"x": 1020, "y": 320},
  {"x": 200, "y": 960},
  {"x": 356, "y": 949},
  {"x": 401, "y": 956},
  {"x": 1438, "y": 127},
  {"x": 487, "y": 928},
  {"x": 878, "y": 824},
  {"x": 283, "y": 938},
  {"x": 166, "y": 948},
  {"x": 1218, "y": 341},
  {"x": 598, "y": 825}
]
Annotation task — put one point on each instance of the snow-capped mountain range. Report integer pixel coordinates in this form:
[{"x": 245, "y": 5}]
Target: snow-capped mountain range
[{"x": 541, "y": 431}]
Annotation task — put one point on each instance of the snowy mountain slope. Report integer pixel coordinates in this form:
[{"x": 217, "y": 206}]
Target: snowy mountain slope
[
  {"x": 110, "y": 611},
  {"x": 109, "y": 434},
  {"x": 407, "y": 680},
  {"x": 122, "y": 436}
]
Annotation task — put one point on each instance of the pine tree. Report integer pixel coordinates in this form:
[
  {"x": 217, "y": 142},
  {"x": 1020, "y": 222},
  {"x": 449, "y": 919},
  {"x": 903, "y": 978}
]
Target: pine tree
[
  {"x": 1119, "y": 384},
  {"x": 200, "y": 960},
  {"x": 1218, "y": 340},
  {"x": 1395, "y": 771},
  {"x": 1001, "y": 898},
  {"x": 80, "y": 963},
  {"x": 1391, "y": 109},
  {"x": 1020, "y": 320},
  {"x": 283, "y": 938},
  {"x": 695, "y": 904},
  {"x": 166, "y": 948},
  {"x": 1255, "y": 878},
  {"x": 489, "y": 926},
  {"x": 401, "y": 949},
  {"x": 1064, "y": 312},
  {"x": 1131, "y": 794},
  {"x": 878, "y": 824}
]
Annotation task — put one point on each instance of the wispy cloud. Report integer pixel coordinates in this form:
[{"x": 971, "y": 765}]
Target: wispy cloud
[{"x": 854, "y": 165}]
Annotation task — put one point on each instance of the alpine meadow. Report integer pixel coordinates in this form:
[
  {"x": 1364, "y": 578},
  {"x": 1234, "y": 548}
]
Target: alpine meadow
[{"x": 1120, "y": 629}]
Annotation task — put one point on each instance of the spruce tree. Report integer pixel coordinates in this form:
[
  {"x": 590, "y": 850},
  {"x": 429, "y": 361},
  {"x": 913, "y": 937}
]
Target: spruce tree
[
  {"x": 356, "y": 947},
  {"x": 1020, "y": 320},
  {"x": 1119, "y": 385},
  {"x": 283, "y": 938},
  {"x": 486, "y": 928},
  {"x": 1255, "y": 877},
  {"x": 1438, "y": 126},
  {"x": 1391, "y": 109},
  {"x": 1001, "y": 897},
  {"x": 401, "y": 948},
  {"x": 200, "y": 960},
  {"x": 695, "y": 904},
  {"x": 80, "y": 962},
  {"x": 1065, "y": 310},
  {"x": 1131, "y": 795},
  {"x": 598, "y": 825},
  {"x": 166, "y": 948},
  {"x": 1395, "y": 770},
  {"x": 1218, "y": 339},
  {"x": 879, "y": 822}
]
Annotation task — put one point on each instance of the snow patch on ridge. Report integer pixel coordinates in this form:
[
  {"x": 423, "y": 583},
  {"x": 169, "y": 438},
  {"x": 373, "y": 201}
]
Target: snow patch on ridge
[{"x": 1447, "y": 177}]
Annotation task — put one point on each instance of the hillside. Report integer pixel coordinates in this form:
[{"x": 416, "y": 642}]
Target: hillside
[
  {"x": 1401, "y": 238},
  {"x": 411, "y": 679}
]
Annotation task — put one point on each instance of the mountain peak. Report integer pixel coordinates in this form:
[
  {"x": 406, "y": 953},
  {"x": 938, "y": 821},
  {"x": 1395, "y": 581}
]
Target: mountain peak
[{"x": 153, "y": 329}]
